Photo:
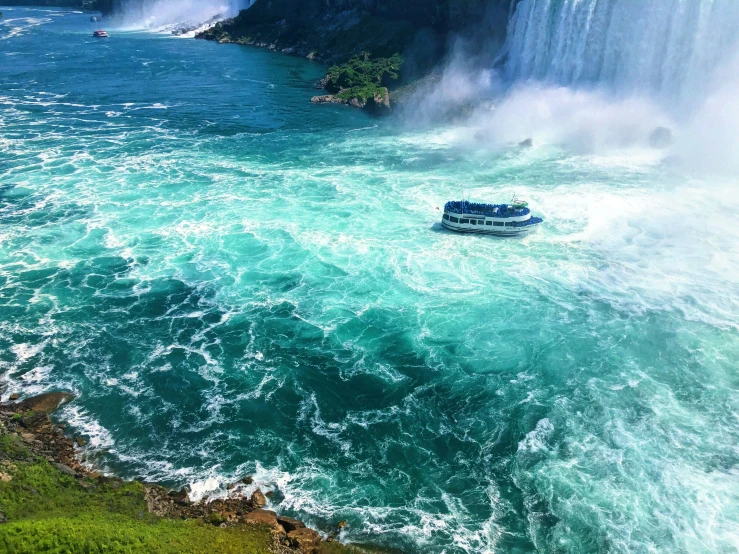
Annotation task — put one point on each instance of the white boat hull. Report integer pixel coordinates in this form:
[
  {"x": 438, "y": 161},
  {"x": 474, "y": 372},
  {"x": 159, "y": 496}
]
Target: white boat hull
[
  {"x": 512, "y": 232},
  {"x": 500, "y": 226}
]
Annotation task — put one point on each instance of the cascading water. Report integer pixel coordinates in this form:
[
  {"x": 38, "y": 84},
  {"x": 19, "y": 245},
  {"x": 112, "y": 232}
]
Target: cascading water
[
  {"x": 664, "y": 47},
  {"x": 163, "y": 14}
]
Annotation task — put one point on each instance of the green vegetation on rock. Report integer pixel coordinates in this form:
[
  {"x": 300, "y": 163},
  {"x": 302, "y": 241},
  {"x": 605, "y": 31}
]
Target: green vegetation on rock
[
  {"x": 363, "y": 72},
  {"x": 363, "y": 80}
]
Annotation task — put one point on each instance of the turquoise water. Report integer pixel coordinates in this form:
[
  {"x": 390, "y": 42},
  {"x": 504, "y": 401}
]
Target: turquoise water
[{"x": 236, "y": 282}]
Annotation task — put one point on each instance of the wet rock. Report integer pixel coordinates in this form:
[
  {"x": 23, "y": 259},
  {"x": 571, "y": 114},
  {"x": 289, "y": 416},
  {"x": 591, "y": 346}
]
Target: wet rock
[
  {"x": 248, "y": 480},
  {"x": 15, "y": 396},
  {"x": 47, "y": 402},
  {"x": 343, "y": 523},
  {"x": 306, "y": 540},
  {"x": 289, "y": 523},
  {"x": 528, "y": 143},
  {"x": 80, "y": 441},
  {"x": 381, "y": 102},
  {"x": 327, "y": 99},
  {"x": 660, "y": 138},
  {"x": 258, "y": 499}
]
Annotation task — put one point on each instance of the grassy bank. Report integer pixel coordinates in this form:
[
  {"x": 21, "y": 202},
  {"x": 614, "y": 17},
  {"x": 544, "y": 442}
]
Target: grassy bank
[
  {"x": 50, "y": 503},
  {"x": 46, "y": 510}
]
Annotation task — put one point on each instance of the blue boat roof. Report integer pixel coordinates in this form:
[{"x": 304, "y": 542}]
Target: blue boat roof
[{"x": 491, "y": 210}]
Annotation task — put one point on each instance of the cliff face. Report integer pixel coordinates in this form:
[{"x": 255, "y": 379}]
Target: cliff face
[
  {"x": 333, "y": 30},
  {"x": 447, "y": 14}
]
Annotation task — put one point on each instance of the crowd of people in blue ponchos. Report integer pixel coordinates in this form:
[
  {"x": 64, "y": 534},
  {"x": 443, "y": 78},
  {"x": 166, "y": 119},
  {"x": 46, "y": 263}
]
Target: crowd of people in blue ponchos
[{"x": 466, "y": 207}]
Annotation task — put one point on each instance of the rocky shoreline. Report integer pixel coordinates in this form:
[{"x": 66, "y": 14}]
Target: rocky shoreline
[{"x": 28, "y": 422}]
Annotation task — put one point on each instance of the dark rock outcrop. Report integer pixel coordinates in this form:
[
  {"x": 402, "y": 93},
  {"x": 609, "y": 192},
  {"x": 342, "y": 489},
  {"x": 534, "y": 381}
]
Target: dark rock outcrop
[
  {"x": 333, "y": 31},
  {"x": 289, "y": 523},
  {"x": 304, "y": 539},
  {"x": 47, "y": 402}
]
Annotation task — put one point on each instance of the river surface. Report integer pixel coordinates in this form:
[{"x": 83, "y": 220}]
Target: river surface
[{"x": 234, "y": 281}]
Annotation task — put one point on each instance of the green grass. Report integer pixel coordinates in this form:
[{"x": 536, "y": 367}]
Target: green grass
[
  {"x": 49, "y": 511},
  {"x": 116, "y": 533}
]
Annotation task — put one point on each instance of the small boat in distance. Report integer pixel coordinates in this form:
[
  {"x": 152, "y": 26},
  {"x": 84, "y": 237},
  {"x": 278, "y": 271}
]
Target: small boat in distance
[
  {"x": 490, "y": 219},
  {"x": 100, "y": 34}
]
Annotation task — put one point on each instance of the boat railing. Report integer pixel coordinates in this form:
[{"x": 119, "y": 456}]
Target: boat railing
[{"x": 490, "y": 210}]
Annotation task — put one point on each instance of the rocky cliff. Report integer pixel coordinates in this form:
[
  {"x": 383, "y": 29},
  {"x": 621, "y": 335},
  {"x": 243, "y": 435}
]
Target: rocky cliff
[
  {"x": 334, "y": 30},
  {"x": 368, "y": 37}
]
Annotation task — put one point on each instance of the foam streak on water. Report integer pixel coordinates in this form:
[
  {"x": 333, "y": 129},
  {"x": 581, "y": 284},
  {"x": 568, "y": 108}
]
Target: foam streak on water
[{"x": 234, "y": 281}]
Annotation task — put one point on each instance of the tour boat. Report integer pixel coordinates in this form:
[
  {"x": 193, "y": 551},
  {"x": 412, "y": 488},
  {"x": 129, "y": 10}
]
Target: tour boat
[
  {"x": 490, "y": 219},
  {"x": 100, "y": 34}
]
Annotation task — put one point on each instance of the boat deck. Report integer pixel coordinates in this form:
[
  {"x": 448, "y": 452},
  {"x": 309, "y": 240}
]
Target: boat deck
[{"x": 489, "y": 210}]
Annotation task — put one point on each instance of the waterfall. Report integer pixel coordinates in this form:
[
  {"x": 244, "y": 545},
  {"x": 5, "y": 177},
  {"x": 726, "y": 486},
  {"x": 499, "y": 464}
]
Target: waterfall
[
  {"x": 162, "y": 14},
  {"x": 663, "y": 47}
]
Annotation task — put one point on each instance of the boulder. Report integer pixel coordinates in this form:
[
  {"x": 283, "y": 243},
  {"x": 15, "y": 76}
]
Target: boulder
[
  {"x": 327, "y": 99},
  {"x": 34, "y": 420},
  {"x": 660, "y": 138},
  {"x": 343, "y": 523},
  {"x": 528, "y": 143},
  {"x": 15, "y": 396},
  {"x": 290, "y": 523},
  {"x": 357, "y": 102},
  {"x": 248, "y": 480},
  {"x": 306, "y": 540},
  {"x": 264, "y": 517},
  {"x": 381, "y": 102},
  {"x": 258, "y": 499},
  {"x": 181, "y": 497},
  {"x": 47, "y": 402},
  {"x": 80, "y": 442}
]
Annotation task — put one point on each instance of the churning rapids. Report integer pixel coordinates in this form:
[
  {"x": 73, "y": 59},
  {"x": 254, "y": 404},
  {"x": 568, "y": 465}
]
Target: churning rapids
[{"x": 236, "y": 282}]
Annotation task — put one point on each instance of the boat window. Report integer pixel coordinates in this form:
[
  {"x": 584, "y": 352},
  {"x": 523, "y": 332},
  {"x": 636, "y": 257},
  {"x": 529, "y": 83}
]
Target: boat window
[
  {"x": 488, "y": 223},
  {"x": 464, "y": 220},
  {"x": 446, "y": 216},
  {"x": 498, "y": 224},
  {"x": 454, "y": 219},
  {"x": 510, "y": 224},
  {"x": 473, "y": 221}
]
